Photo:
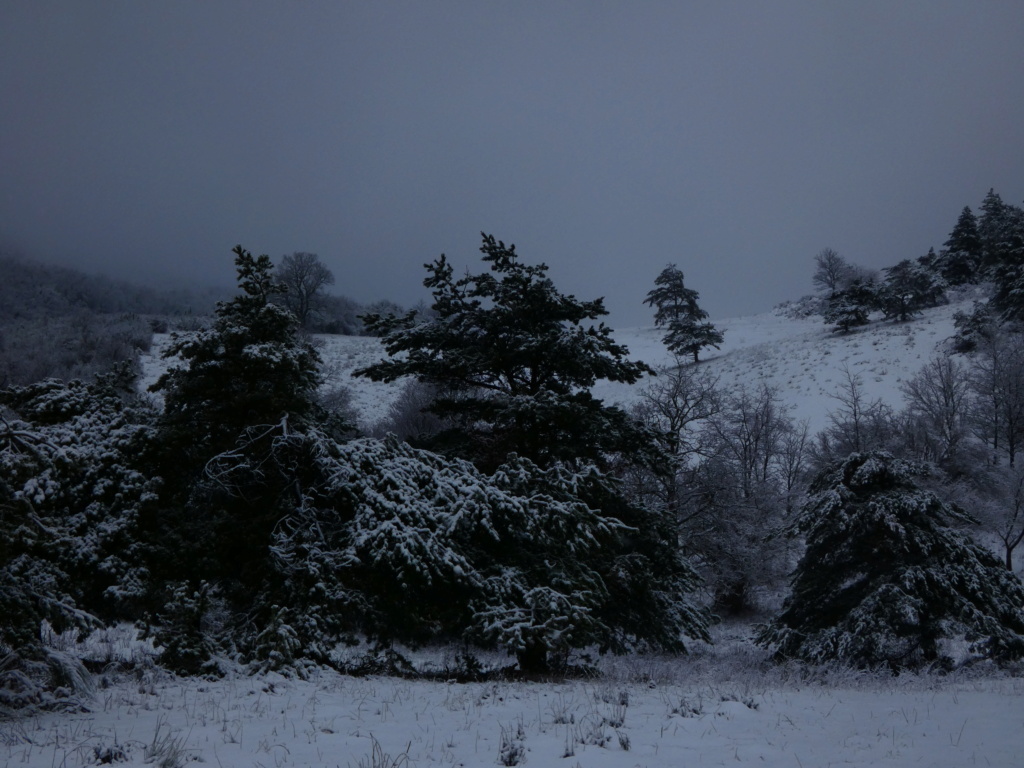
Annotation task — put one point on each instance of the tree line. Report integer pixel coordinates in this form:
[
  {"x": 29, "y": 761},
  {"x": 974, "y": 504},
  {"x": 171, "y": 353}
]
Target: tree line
[
  {"x": 985, "y": 249},
  {"x": 245, "y": 519}
]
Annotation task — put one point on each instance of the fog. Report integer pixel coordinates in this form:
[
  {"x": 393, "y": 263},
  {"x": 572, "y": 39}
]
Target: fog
[{"x": 735, "y": 139}]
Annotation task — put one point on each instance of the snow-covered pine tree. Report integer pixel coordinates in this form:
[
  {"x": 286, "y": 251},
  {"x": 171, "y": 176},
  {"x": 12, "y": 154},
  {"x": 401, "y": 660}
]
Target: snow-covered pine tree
[
  {"x": 250, "y": 368},
  {"x": 229, "y": 389},
  {"x": 908, "y": 288},
  {"x": 512, "y": 361},
  {"x": 677, "y": 311},
  {"x": 71, "y": 495},
  {"x": 885, "y": 579},
  {"x": 401, "y": 544},
  {"x": 960, "y": 260},
  {"x": 850, "y": 308},
  {"x": 1006, "y": 263}
]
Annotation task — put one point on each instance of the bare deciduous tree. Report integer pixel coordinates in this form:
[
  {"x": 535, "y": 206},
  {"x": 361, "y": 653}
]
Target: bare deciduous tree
[
  {"x": 939, "y": 396},
  {"x": 306, "y": 278},
  {"x": 831, "y": 271},
  {"x": 998, "y": 384}
]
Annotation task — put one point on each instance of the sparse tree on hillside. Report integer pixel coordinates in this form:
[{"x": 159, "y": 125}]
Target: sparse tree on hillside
[
  {"x": 832, "y": 272},
  {"x": 885, "y": 577},
  {"x": 677, "y": 310},
  {"x": 997, "y": 378},
  {"x": 851, "y": 307},
  {"x": 907, "y": 289},
  {"x": 995, "y": 494},
  {"x": 857, "y": 424},
  {"x": 748, "y": 484},
  {"x": 305, "y": 277}
]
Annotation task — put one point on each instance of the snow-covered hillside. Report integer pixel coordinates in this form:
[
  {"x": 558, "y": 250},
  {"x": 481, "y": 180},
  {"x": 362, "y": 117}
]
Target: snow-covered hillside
[
  {"x": 799, "y": 356},
  {"x": 803, "y": 359}
]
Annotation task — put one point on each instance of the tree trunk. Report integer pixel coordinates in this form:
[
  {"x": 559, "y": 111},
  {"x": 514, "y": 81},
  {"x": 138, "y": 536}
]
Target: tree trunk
[{"x": 533, "y": 659}]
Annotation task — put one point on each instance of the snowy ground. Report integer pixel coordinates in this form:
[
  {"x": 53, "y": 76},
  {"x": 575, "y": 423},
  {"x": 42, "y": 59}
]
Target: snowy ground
[
  {"x": 803, "y": 359},
  {"x": 644, "y": 712}
]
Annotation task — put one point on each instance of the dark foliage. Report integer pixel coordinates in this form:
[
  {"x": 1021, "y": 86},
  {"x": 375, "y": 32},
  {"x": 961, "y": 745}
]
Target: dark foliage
[
  {"x": 512, "y": 360},
  {"x": 885, "y": 578},
  {"x": 678, "y": 312}
]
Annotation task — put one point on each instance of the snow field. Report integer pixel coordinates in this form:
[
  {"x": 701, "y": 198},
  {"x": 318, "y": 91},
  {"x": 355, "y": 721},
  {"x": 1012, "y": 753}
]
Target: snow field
[{"x": 338, "y": 721}]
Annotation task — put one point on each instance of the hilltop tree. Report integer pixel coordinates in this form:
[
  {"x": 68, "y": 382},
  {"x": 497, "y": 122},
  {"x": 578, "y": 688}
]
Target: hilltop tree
[
  {"x": 1002, "y": 234},
  {"x": 677, "y": 310},
  {"x": 832, "y": 272},
  {"x": 512, "y": 360},
  {"x": 908, "y": 288},
  {"x": 960, "y": 261},
  {"x": 885, "y": 577}
]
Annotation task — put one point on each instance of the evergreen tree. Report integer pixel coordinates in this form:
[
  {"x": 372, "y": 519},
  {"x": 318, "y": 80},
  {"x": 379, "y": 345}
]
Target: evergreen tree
[
  {"x": 71, "y": 495},
  {"x": 850, "y": 308},
  {"x": 512, "y": 361},
  {"x": 885, "y": 578},
  {"x": 908, "y": 288},
  {"x": 992, "y": 228},
  {"x": 405, "y": 545},
  {"x": 226, "y": 393},
  {"x": 978, "y": 327},
  {"x": 1002, "y": 230},
  {"x": 678, "y": 311},
  {"x": 249, "y": 368},
  {"x": 960, "y": 261}
]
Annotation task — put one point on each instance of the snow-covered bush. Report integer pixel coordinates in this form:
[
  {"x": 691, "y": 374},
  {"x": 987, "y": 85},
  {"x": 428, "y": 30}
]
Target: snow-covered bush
[
  {"x": 403, "y": 544},
  {"x": 70, "y": 500}
]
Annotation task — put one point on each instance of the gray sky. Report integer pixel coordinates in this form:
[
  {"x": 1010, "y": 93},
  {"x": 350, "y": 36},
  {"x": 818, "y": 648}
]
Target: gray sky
[{"x": 736, "y": 139}]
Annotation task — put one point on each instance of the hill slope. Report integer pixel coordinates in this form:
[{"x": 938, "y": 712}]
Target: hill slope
[
  {"x": 803, "y": 359},
  {"x": 799, "y": 356}
]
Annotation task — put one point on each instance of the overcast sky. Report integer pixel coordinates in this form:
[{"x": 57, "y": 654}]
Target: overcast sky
[{"x": 607, "y": 139}]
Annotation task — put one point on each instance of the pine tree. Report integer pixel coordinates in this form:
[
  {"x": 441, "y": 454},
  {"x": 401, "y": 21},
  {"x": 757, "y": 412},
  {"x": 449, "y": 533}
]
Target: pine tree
[
  {"x": 1002, "y": 235},
  {"x": 249, "y": 368},
  {"x": 402, "y": 544},
  {"x": 992, "y": 228},
  {"x": 678, "y": 311},
  {"x": 512, "y": 361},
  {"x": 908, "y": 288},
  {"x": 960, "y": 261},
  {"x": 885, "y": 578},
  {"x": 71, "y": 495},
  {"x": 229, "y": 391},
  {"x": 850, "y": 308}
]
